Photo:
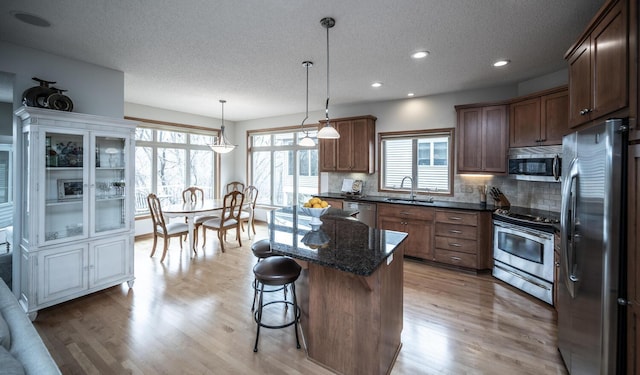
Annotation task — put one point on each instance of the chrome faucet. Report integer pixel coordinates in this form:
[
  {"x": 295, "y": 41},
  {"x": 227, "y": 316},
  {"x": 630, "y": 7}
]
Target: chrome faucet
[{"x": 412, "y": 196}]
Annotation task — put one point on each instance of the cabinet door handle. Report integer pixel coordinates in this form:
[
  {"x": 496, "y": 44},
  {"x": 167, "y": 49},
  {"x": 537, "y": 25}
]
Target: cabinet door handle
[
  {"x": 455, "y": 231},
  {"x": 585, "y": 111}
]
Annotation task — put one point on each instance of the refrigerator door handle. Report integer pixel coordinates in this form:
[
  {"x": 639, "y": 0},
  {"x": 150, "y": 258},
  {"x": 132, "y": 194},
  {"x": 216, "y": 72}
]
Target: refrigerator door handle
[
  {"x": 567, "y": 228},
  {"x": 556, "y": 167}
]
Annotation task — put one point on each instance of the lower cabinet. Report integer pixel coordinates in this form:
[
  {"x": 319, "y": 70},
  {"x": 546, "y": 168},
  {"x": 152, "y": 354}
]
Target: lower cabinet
[
  {"x": 417, "y": 221},
  {"x": 335, "y": 203},
  {"x": 453, "y": 237},
  {"x": 58, "y": 274},
  {"x": 463, "y": 238}
]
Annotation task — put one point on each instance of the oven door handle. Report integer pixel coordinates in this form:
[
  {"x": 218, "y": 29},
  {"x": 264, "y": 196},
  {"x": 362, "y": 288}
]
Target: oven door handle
[
  {"x": 522, "y": 229},
  {"x": 568, "y": 234}
]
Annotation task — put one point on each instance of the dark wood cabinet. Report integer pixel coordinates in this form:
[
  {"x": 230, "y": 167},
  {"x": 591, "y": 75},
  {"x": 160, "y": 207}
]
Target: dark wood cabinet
[
  {"x": 417, "y": 221},
  {"x": 463, "y": 239},
  {"x": 540, "y": 119},
  {"x": 354, "y": 151},
  {"x": 598, "y": 66},
  {"x": 482, "y": 139},
  {"x": 334, "y": 203}
]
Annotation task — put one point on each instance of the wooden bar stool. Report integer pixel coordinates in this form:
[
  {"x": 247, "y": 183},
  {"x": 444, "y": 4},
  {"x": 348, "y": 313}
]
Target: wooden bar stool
[{"x": 277, "y": 271}]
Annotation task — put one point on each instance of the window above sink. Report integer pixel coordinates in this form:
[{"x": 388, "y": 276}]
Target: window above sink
[{"x": 425, "y": 155}]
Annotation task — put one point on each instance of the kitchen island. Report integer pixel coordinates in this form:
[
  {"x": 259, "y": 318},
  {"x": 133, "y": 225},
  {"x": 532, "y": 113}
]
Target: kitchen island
[{"x": 350, "y": 289}]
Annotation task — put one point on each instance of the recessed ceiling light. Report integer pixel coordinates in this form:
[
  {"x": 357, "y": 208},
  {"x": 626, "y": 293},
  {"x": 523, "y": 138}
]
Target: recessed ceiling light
[
  {"x": 410, "y": 94},
  {"x": 500, "y": 63},
  {"x": 420, "y": 54},
  {"x": 31, "y": 19},
  {"x": 376, "y": 84}
]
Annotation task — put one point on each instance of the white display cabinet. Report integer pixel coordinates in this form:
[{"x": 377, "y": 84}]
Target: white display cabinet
[{"x": 76, "y": 211}]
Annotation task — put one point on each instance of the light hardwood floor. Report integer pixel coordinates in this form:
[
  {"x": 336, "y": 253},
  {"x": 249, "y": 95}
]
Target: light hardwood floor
[{"x": 191, "y": 315}]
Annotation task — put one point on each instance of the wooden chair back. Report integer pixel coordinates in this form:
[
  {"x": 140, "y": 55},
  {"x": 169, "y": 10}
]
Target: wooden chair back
[
  {"x": 156, "y": 213},
  {"x": 232, "y": 206},
  {"x": 234, "y": 186},
  {"x": 192, "y": 194}
]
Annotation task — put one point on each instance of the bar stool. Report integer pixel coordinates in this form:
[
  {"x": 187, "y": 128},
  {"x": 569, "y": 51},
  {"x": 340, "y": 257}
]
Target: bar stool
[
  {"x": 261, "y": 250},
  {"x": 277, "y": 271}
]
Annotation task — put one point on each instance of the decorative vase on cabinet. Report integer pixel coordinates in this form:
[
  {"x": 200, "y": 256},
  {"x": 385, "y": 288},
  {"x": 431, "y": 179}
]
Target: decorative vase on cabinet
[{"x": 76, "y": 214}]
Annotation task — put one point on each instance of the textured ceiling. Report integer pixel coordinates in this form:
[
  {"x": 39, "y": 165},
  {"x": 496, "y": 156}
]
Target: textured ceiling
[{"x": 185, "y": 55}]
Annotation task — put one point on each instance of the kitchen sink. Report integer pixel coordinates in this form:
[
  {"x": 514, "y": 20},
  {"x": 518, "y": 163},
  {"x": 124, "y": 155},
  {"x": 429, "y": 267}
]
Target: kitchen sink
[{"x": 410, "y": 201}]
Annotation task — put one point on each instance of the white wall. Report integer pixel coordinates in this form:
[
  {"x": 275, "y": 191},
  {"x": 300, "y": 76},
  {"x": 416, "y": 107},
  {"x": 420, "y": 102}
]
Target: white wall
[{"x": 93, "y": 89}]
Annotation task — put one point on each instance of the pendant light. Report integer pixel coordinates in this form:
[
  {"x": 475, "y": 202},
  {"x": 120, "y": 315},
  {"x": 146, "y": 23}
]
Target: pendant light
[
  {"x": 306, "y": 141},
  {"x": 328, "y": 131},
  {"x": 222, "y": 146}
]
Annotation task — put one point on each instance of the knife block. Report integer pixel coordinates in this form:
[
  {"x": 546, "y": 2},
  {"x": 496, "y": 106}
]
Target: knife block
[{"x": 502, "y": 202}]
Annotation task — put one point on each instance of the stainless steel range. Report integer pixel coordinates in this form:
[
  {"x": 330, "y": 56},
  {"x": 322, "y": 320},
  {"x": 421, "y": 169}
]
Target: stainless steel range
[{"x": 523, "y": 242}]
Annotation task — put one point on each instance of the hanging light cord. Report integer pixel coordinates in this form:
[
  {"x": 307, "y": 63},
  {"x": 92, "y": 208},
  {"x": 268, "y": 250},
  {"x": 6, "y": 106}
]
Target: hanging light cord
[
  {"x": 326, "y": 110},
  {"x": 307, "y": 64},
  {"x": 223, "y": 139}
]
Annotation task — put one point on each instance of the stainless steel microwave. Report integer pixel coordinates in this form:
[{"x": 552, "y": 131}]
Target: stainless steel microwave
[{"x": 536, "y": 163}]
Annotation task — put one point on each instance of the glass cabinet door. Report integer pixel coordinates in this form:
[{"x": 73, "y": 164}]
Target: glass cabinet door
[
  {"x": 64, "y": 186},
  {"x": 110, "y": 203}
]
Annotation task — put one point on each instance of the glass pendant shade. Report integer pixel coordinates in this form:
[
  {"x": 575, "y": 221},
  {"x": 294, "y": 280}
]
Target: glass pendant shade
[
  {"x": 328, "y": 132},
  {"x": 307, "y": 141},
  {"x": 222, "y": 145}
]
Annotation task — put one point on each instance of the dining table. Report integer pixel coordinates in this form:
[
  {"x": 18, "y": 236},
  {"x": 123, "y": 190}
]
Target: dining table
[{"x": 190, "y": 210}]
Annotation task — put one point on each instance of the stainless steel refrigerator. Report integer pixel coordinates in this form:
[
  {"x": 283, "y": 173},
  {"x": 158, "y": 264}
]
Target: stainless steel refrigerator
[{"x": 591, "y": 331}]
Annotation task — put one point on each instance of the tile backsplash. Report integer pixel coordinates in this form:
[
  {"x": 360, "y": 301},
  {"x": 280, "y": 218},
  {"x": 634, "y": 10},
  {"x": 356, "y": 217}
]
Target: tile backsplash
[{"x": 539, "y": 195}]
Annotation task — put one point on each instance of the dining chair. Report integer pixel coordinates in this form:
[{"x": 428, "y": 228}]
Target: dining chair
[
  {"x": 229, "y": 218},
  {"x": 162, "y": 228},
  {"x": 234, "y": 186},
  {"x": 248, "y": 209},
  {"x": 194, "y": 194}
]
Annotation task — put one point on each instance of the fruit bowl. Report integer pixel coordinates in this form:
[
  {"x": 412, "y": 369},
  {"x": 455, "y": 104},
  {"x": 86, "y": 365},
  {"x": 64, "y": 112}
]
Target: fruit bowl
[{"x": 315, "y": 214}]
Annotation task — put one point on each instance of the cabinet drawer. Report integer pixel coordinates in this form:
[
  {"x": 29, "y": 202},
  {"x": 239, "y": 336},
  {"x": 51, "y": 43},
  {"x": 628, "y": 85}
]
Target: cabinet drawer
[
  {"x": 456, "y": 231},
  {"x": 405, "y": 211},
  {"x": 456, "y": 258},
  {"x": 456, "y": 244},
  {"x": 457, "y": 217}
]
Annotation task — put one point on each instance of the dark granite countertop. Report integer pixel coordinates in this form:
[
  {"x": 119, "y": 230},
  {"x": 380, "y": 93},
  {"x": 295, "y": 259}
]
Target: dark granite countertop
[
  {"x": 417, "y": 202},
  {"x": 341, "y": 242}
]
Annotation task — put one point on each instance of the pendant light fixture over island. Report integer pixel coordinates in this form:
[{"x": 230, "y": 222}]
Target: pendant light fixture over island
[{"x": 328, "y": 131}]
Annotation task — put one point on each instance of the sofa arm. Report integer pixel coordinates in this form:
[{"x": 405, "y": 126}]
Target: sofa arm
[{"x": 26, "y": 345}]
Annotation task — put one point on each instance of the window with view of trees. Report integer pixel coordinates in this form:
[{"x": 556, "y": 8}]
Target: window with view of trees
[
  {"x": 168, "y": 161},
  {"x": 425, "y": 156},
  {"x": 284, "y": 172}
]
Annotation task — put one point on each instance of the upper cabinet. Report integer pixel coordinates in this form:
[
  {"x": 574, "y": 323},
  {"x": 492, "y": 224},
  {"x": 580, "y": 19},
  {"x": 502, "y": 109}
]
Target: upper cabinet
[
  {"x": 540, "y": 119},
  {"x": 354, "y": 151},
  {"x": 482, "y": 139},
  {"x": 599, "y": 66}
]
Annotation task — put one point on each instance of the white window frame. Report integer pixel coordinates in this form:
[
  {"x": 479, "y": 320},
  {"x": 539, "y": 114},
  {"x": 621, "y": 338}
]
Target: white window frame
[
  {"x": 444, "y": 187},
  {"x": 272, "y": 148},
  {"x": 155, "y": 144}
]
